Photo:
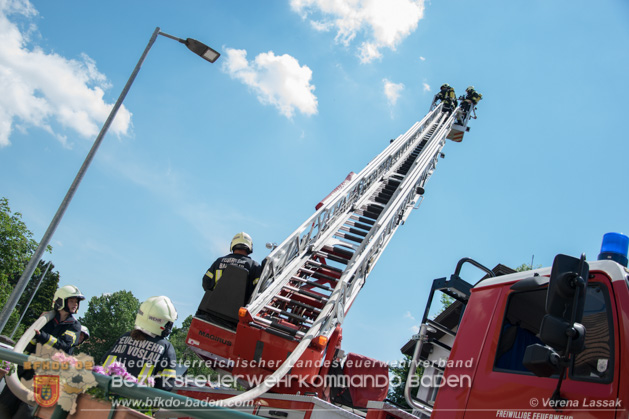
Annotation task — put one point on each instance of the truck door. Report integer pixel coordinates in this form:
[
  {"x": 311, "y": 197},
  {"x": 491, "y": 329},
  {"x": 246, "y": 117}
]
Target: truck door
[{"x": 503, "y": 387}]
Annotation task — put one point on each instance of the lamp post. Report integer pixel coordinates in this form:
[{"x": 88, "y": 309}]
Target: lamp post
[
  {"x": 39, "y": 281},
  {"x": 193, "y": 45}
]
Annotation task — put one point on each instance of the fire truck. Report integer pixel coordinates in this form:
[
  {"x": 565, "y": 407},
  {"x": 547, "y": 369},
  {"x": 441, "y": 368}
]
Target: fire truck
[
  {"x": 544, "y": 343},
  {"x": 283, "y": 345}
]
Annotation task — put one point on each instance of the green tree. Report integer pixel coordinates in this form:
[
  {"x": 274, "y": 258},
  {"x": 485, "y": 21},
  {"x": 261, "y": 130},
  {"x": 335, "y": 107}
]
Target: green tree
[
  {"x": 527, "y": 267},
  {"x": 187, "y": 356},
  {"x": 399, "y": 371},
  {"x": 16, "y": 248},
  {"x": 108, "y": 317}
]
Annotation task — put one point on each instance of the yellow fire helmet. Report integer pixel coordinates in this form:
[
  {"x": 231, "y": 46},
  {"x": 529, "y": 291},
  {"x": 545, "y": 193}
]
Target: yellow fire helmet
[
  {"x": 156, "y": 316},
  {"x": 63, "y": 293},
  {"x": 241, "y": 241}
]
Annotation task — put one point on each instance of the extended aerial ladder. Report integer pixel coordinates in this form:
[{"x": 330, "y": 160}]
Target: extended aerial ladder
[{"x": 310, "y": 281}]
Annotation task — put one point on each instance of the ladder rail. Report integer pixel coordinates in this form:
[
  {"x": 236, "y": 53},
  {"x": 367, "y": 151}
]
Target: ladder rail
[
  {"x": 324, "y": 225},
  {"x": 285, "y": 257},
  {"x": 378, "y": 237},
  {"x": 376, "y": 241}
]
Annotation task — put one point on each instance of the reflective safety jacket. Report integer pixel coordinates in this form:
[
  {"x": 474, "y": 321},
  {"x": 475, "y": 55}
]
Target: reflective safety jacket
[
  {"x": 58, "y": 334},
  {"x": 151, "y": 357},
  {"x": 474, "y": 96},
  {"x": 61, "y": 335},
  {"x": 447, "y": 96},
  {"x": 213, "y": 275}
]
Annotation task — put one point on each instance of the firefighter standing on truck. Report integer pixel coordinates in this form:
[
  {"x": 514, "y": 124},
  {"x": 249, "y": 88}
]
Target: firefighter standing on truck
[
  {"x": 241, "y": 247},
  {"x": 62, "y": 332},
  {"x": 144, "y": 351}
]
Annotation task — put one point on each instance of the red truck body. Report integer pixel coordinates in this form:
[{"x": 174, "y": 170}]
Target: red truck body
[{"x": 482, "y": 379}]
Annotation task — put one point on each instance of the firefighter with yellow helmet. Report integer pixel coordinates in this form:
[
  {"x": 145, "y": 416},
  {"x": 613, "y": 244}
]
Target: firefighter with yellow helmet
[
  {"x": 447, "y": 96},
  {"x": 62, "y": 333},
  {"x": 144, "y": 351},
  {"x": 469, "y": 101},
  {"x": 240, "y": 247},
  {"x": 472, "y": 97}
]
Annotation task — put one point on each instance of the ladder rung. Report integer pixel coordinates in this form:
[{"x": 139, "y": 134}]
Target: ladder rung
[
  {"x": 306, "y": 293},
  {"x": 286, "y": 313},
  {"x": 368, "y": 214},
  {"x": 317, "y": 274},
  {"x": 354, "y": 231},
  {"x": 382, "y": 200},
  {"x": 268, "y": 323},
  {"x": 333, "y": 257},
  {"x": 312, "y": 283},
  {"x": 324, "y": 266},
  {"x": 367, "y": 221},
  {"x": 299, "y": 304},
  {"x": 339, "y": 250},
  {"x": 359, "y": 225},
  {"x": 284, "y": 328},
  {"x": 349, "y": 237},
  {"x": 375, "y": 208}
]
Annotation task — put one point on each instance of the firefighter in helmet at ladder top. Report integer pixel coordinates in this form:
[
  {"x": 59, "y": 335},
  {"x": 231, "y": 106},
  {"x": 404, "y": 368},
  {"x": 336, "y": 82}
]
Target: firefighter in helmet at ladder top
[
  {"x": 240, "y": 247},
  {"x": 468, "y": 102},
  {"x": 61, "y": 333},
  {"x": 447, "y": 96},
  {"x": 144, "y": 351}
]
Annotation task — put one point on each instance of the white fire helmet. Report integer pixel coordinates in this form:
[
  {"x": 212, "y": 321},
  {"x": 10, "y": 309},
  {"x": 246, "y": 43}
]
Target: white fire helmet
[
  {"x": 156, "y": 316},
  {"x": 243, "y": 241},
  {"x": 59, "y": 301}
]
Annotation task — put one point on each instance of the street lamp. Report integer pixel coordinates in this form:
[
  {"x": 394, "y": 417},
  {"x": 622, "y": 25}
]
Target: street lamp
[
  {"x": 193, "y": 45},
  {"x": 197, "y": 47}
]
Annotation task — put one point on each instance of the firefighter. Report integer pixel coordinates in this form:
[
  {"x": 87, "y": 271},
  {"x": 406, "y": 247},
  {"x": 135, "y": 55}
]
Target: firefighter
[
  {"x": 469, "y": 101},
  {"x": 472, "y": 97},
  {"x": 145, "y": 352},
  {"x": 447, "y": 96},
  {"x": 62, "y": 332},
  {"x": 241, "y": 247},
  {"x": 83, "y": 336}
]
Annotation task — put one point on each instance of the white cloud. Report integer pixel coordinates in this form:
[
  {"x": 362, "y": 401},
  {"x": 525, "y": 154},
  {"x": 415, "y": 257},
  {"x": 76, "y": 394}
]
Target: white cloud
[
  {"x": 386, "y": 22},
  {"x": 426, "y": 87},
  {"x": 408, "y": 315},
  {"x": 392, "y": 91},
  {"x": 38, "y": 89},
  {"x": 277, "y": 80},
  {"x": 422, "y": 58}
]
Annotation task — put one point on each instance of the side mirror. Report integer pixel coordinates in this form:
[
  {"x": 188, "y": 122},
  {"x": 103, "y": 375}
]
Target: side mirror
[
  {"x": 561, "y": 329},
  {"x": 565, "y": 303}
]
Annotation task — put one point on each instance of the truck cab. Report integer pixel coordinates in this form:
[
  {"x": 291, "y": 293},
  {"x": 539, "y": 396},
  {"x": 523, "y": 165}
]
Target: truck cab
[{"x": 501, "y": 364}]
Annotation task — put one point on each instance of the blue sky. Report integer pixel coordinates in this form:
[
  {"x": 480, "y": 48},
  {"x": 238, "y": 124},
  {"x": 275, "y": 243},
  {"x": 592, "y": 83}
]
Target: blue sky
[{"x": 305, "y": 92}]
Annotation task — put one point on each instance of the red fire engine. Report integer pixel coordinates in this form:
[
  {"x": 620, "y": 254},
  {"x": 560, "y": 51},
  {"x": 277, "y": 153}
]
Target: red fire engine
[
  {"x": 286, "y": 339},
  {"x": 546, "y": 343}
]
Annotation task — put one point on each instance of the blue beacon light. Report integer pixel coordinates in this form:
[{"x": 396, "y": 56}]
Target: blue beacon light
[{"x": 615, "y": 247}]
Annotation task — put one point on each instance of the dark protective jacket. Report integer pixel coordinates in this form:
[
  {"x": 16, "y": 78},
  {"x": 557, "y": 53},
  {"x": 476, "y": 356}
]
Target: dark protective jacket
[
  {"x": 474, "y": 96},
  {"x": 447, "y": 97},
  {"x": 152, "y": 357},
  {"x": 59, "y": 334},
  {"x": 213, "y": 275}
]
